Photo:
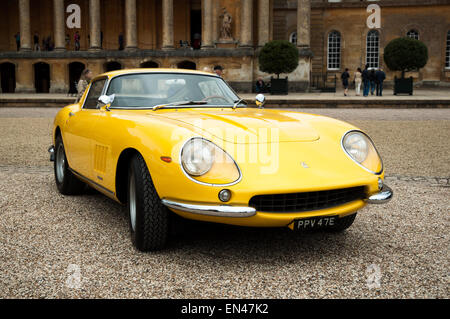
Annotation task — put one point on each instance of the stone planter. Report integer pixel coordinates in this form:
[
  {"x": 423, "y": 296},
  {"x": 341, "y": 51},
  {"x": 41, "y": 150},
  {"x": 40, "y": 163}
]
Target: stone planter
[
  {"x": 279, "y": 86},
  {"x": 403, "y": 86}
]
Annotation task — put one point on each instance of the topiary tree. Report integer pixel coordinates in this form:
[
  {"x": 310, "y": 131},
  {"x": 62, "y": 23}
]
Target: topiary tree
[
  {"x": 277, "y": 57},
  {"x": 405, "y": 54}
]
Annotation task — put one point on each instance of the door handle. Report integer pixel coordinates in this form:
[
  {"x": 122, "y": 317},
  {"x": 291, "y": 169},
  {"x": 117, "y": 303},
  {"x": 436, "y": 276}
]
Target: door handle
[{"x": 71, "y": 114}]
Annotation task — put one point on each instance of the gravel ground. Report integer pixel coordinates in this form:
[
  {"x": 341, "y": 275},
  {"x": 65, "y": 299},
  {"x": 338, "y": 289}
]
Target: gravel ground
[{"x": 47, "y": 240}]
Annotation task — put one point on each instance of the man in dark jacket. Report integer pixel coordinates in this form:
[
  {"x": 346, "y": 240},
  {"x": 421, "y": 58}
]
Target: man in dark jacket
[
  {"x": 366, "y": 81},
  {"x": 373, "y": 80},
  {"x": 380, "y": 77}
]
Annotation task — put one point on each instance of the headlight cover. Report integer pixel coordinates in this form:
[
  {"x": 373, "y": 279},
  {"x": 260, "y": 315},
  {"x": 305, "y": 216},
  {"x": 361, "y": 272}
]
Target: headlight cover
[
  {"x": 360, "y": 148},
  {"x": 206, "y": 163}
]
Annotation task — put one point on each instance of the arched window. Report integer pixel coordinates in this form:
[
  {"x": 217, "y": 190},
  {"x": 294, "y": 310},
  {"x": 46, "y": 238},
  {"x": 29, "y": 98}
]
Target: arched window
[
  {"x": 447, "y": 52},
  {"x": 373, "y": 49},
  {"x": 334, "y": 50},
  {"x": 293, "y": 37},
  {"x": 413, "y": 34}
]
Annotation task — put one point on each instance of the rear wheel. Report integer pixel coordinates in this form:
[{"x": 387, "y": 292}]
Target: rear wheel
[
  {"x": 66, "y": 181},
  {"x": 343, "y": 223},
  {"x": 148, "y": 217}
]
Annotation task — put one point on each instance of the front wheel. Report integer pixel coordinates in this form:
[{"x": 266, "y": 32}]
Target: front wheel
[
  {"x": 66, "y": 182},
  {"x": 148, "y": 217}
]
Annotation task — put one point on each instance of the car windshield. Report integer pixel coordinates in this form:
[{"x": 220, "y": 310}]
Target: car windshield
[{"x": 165, "y": 90}]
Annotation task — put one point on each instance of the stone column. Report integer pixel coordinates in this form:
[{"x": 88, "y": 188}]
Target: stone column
[
  {"x": 207, "y": 24},
  {"x": 58, "y": 24},
  {"x": 130, "y": 25},
  {"x": 94, "y": 24},
  {"x": 246, "y": 37},
  {"x": 263, "y": 22},
  {"x": 303, "y": 23},
  {"x": 24, "y": 22},
  {"x": 167, "y": 27}
]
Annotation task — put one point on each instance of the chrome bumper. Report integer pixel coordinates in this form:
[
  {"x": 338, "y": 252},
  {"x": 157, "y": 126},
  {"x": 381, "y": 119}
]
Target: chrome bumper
[
  {"x": 51, "y": 150},
  {"x": 211, "y": 210},
  {"x": 383, "y": 196}
]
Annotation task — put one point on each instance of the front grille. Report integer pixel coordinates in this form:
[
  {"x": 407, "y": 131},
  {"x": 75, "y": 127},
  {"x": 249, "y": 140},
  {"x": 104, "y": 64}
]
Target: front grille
[{"x": 308, "y": 201}]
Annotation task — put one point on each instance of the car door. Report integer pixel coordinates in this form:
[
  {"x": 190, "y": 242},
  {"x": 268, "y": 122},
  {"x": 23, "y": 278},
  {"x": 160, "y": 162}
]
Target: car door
[{"x": 79, "y": 131}]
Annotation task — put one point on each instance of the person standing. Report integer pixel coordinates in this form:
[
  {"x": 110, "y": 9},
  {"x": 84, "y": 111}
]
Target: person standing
[
  {"x": 260, "y": 86},
  {"x": 344, "y": 77},
  {"x": 17, "y": 37},
  {"x": 86, "y": 77},
  {"x": 67, "y": 41},
  {"x": 121, "y": 42},
  {"x": 36, "y": 42},
  {"x": 358, "y": 81},
  {"x": 76, "y": 39},
  {"x": 380, "y": 76},
  {"x": 218, "y": 70},
  {"x": 366, "y": 81},
  {"x": 373, "y": 80}
]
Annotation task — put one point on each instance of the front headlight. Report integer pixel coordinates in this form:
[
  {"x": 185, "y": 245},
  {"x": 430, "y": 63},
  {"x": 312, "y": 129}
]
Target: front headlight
[
  {"x": 360, "y": 148},
  {"x": 207, "y": 163}
]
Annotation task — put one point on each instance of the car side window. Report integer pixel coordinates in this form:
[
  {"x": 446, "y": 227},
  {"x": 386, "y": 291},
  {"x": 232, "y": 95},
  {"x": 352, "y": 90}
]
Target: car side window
[{"x": 95, "y": 91}]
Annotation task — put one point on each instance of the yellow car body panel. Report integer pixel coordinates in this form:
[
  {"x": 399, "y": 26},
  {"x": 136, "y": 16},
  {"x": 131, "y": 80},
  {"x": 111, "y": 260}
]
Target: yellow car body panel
[{"x": 308, "y": 156}]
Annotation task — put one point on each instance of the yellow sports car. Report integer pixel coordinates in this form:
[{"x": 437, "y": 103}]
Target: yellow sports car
[{"x": 166, "y": 141}]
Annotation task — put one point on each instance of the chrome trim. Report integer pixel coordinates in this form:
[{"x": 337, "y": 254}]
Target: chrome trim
[
  {"x": 359, "y": 164},
  {"x": 382, "y": 197},
  {"x": 203, "y": 183},
  {"x": 211, "y": 209},
  {"x": 51, "y": 150}
]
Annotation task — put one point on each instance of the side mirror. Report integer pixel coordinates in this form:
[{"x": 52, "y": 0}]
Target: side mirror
[
  {"x": 260, "y": 100},
  {"x": 106, "y": 100}
]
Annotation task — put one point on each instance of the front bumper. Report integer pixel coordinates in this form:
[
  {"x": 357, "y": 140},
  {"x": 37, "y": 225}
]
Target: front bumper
[
  {"x": 211, "y": 210},
  {"x": 383, "y": 196}
]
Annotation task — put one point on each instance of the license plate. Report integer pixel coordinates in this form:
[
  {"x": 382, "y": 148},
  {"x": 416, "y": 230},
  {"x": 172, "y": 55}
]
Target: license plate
[{"x": 315, "y": 222}]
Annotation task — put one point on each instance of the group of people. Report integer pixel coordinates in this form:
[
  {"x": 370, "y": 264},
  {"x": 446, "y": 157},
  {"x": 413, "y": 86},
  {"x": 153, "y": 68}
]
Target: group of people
[{"x": 371, "y": 80}]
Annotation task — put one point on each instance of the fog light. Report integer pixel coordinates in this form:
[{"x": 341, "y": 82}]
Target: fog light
[
  {"x": 224, "y": 195},
  {"x": 380, "y": 183}
]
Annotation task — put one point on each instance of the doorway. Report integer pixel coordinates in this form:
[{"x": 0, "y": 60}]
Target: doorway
[
  {"x": 42, "y": 77},
  {"x": 112, "y": 66},
  {"x": 8, "y": 77},
  {"x": 187, "y": 65},
  {"x": 75, "y": 69},
  {"x": 149, "y": 64}
]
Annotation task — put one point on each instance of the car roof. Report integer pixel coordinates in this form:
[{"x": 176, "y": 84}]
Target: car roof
[{"x": 153, "y": 70}]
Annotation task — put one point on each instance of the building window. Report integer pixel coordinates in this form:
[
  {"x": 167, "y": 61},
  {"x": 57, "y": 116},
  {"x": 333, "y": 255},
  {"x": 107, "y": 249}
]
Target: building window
[
  {"x": 373, "y": 49},
  {"x": 413, "y": 34},
  {"x": 447, "y": 52},
  {"x": 334, "y": 50},
  {"x": 293, "y": 37}
]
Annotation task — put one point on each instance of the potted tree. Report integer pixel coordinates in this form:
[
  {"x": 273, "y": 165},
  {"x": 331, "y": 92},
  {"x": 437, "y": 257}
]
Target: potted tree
[
  {"x": 278, "y": 57},
  {"x": 405, "y": 54}
]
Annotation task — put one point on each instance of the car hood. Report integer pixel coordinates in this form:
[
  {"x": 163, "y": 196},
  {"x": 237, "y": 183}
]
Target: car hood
[{"x": 247, "y": 125}]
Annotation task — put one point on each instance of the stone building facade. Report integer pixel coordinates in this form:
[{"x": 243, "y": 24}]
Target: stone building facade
[{"x": 330, "y": 34}]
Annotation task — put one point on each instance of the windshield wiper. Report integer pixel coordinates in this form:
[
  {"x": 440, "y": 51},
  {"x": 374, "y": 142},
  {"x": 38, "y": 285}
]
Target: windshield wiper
[
  {"x": 161, "y": 106},
  {"x": 237, "y": 102}
]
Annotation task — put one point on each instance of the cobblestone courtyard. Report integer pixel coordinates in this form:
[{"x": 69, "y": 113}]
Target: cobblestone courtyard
[{"x": 47, "y": 238}]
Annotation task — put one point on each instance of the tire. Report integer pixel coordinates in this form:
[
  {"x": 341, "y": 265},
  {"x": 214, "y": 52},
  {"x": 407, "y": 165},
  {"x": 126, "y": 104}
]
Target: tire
[
  {"x": 343, "y": 223},
  {"x": 66, "y": 182},
  {"x": 148, "y": 217}
]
